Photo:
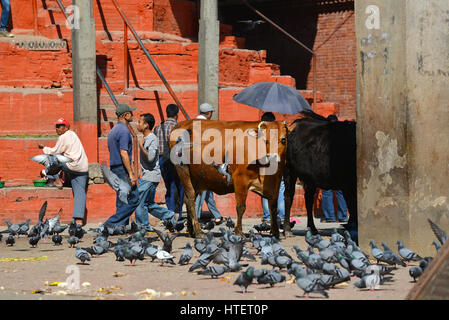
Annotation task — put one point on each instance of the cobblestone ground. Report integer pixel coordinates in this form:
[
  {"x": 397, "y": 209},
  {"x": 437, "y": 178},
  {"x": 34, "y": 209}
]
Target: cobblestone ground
[{"x": 31, "y": 275}]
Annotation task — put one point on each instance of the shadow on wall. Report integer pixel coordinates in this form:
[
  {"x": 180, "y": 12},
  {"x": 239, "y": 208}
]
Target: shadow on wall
[{"x": 299, "y": 19}]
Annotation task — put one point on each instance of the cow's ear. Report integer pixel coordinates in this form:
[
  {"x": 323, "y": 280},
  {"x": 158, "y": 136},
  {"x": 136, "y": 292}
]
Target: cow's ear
[{"x": 291, "y": 127}]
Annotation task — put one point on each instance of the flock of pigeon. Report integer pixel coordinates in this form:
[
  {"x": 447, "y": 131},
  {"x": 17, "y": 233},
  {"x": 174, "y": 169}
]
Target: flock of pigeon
[{"x": 323, "y": 265}]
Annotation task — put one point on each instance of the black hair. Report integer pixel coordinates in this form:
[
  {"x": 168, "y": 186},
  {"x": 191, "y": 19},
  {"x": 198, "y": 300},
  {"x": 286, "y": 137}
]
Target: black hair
[
  {"x": 332, "y": 118},
  {"x": 268, "y": 116},
  {"x": 172, "y": 110},
  {"x": 149, "y": 119}
]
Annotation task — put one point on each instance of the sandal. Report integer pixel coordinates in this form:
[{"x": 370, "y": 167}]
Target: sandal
[{"x": 220, "y": 221}]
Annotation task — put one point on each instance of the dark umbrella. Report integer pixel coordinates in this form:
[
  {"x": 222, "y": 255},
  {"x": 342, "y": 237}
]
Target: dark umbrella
[{"x": 273, "y": 96}]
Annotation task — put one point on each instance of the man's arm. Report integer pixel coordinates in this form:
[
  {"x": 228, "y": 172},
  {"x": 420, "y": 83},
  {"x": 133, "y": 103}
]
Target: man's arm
[{"x": 127, "y": 165}]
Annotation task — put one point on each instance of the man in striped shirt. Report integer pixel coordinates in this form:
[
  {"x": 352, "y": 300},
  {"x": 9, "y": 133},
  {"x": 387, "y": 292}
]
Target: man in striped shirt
[{"x": 174, "y": 196}]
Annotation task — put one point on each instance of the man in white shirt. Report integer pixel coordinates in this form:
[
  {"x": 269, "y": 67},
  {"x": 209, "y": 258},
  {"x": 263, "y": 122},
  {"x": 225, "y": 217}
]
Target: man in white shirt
[
  {"x": 69, "y": 145},
  {"x": 206, "y": 111}
]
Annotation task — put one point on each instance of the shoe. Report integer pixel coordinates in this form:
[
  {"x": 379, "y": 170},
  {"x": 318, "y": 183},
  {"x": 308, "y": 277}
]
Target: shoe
[
  {"x": 218, "y": 221},
  {"x": 6, "y": 34},
  {"x": 179, "y": 226},
  {"x": 331, "y": 221},
  {"x": 169, "y": 225}
]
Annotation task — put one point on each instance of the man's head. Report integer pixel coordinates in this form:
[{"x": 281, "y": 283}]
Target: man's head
[
  {"x": 206, "y": 110},
  {"x": 172, "y": 111},
  {"x": 124, "y": 112},
  {"x": 62, "y": 125},
  {"x": 332, "y": 118},
  {"x": 268, "y": 116},
  {"x": 146, "y": 122}
]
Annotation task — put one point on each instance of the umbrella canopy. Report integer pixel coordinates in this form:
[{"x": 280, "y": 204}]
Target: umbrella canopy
[{"x": 274, "y": 97}]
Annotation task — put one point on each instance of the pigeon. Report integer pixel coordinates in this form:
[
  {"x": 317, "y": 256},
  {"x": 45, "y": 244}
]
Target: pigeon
[
  {"x": 57, "y": 239},
  {"x": 208, "y": 225},
  {"x": 415, "y": 272},
  {"x": 76, "y": 230},
  {"x": 13, "y": 229},
  {"x": 213, "y": 271},
  {"x": 407, "y": 254},
  {"x": 312, "y": 239},
  {"x": 229, "y": 223},
  {"x": 151, "y": 251},
  {"x": 73, "y": 241},
  {"x": 82, "y": 255},
  {"x": 376, "y": 252},
  {"x": 336, "y": 237},
  {"x": 95, "y": 250},
  {"x": 441, "y": 235},
  {"x": 186, "y": 255},
  {"x": 164, "y": 256},
  {"x": 34, "y": 240},
  {"x": 245, "y": 279},
  {"x": 329, "y": 255},
  {"x": 262, "y": 227},
  {"x": 122, "y": 187},
  {"x": 282, "y": 262},
  {"x": 53, "y": 222},
  {"x": 247, "y": 254},
  {"x": 166, "y": 239},
  {"x": 370, "y": 281},
  {"x": 309, "y": 286},
  {"x": 200, "y": 245},
  {"x": 10, "y": 240},
  {"x": 270, "y": 277},
  {"x": 130, "y": 255},
  {"x": 24, "y": 227},
  {"x": 390, "y": 257},
  {"x": 36, "y": 229},
  {"x": 58, "y": 228},
  {"x": 52, "y": 163}
]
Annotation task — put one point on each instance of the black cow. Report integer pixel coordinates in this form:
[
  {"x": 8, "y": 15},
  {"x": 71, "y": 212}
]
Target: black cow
[{"x": 322, "y": 154}]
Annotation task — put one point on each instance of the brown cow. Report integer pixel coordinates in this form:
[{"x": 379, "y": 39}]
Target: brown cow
[{"x": 256, "y": 155}]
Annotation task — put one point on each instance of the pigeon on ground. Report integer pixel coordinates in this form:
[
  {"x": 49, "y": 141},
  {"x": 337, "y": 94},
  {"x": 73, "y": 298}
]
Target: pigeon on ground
[
  {"x": 375, "y": 251},
  {"x": 336, "y": 237},
  {"x": 57, "y": 239},
  {"x": 312, "y": 239},
  {"x": 164, "y": 256},
  {"x": 10, "y": 240},
  {"x": 73, "y": 241},
  {"x": 262, "y": 227},
  {"x": 441, "y": 235},
  {"x": 208, "y": 225},
  {"x": 309, "y": 286},
  {"x": 151, "y": 251},
  {"x": 51, "y": 162},
  {"x": 95, "y": 250},
  {"x": 76, "y": 230},
  {"x": 213, "y": 271},
  {"x": 329, "y": 255},
  {"x": 82, "y": 255},
  {"x": 407, "y": 254},
  {"x": 13, "y": 229},
  {"x": 59, "y": 228},
  {"x": 166, "y": 239},
  {"x": 247, "y": 254},
  {"x": 34, "y": 240},
  {"x": 415, "y": 272},
  {"x": 130, "y": 255},
  {"x": 122, "y": 187},
  {"x": 186, "y": 255},
  {"x": 229, "y": 223},
  {"x": 24, "y": 227},
  {"x": 245, "y": 279},
  {"x": 270, "y": 277},
  {"x": 36, "y": 229},
  {"x": 370, "y": 281},
  {"x": 390, "y": 257}
]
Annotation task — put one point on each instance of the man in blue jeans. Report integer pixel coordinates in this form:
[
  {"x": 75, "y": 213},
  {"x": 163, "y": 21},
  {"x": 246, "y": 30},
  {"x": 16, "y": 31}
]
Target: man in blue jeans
[
  {"x": 327, "y": 204},
  {"x": 120, "y": 158},
  {"x": 151, "y": 175},
  {"x": 175, "y": 190},
  {"x": 4, "y": 19}
]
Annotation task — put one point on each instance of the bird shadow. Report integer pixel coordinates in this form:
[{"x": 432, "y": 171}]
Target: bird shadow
[
  {"x": 23, "y": 250},
  {"x": 83, "y": 264},
  {"x": 310, "y": 297},
  {"x": 50, "y": 250}
]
